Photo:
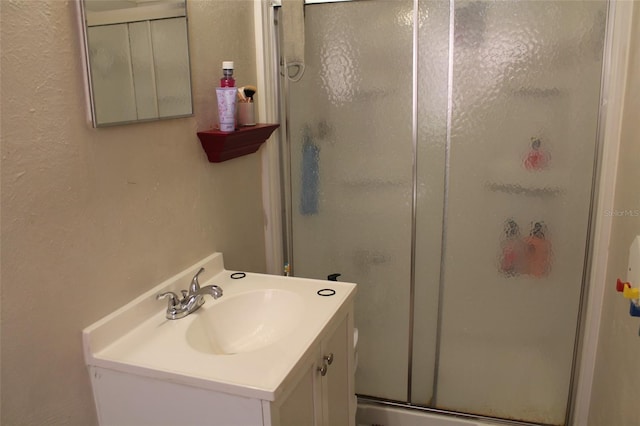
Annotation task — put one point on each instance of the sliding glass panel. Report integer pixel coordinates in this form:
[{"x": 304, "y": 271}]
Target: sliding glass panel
[
  {"x": 351, "y": 167},
  {"x": 526, "y": 80}
]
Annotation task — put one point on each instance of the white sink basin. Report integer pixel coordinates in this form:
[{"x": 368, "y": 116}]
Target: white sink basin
[
  {"x": 244, "y": 343},
  {"x": 245, "y": 322}
]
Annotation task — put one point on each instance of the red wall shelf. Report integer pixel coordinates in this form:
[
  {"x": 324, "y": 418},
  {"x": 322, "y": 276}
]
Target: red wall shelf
[{"x": 223, "y": 146}]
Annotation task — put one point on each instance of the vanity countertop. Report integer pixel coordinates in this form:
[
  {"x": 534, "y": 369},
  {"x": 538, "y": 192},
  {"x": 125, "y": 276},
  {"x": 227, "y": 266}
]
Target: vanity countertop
[{"x": 138, "y": 339}]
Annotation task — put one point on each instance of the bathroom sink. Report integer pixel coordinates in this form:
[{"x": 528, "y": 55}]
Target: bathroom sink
[
  {"x": 245, "y": 322},
  {"x": 246, "y": 343}
]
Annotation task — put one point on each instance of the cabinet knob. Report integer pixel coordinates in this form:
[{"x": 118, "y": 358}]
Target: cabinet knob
[
  {"x": 328, "y": 358},
  {"x": 323, "y": 370}
]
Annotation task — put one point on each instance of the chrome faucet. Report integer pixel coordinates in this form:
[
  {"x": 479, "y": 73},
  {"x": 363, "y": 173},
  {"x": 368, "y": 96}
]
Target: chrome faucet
[{"x": 191, "y": 299}]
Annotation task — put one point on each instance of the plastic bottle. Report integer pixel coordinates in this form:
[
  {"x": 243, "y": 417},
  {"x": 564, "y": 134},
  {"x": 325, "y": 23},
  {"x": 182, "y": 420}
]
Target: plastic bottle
[
  {"x": 227, "y": 70},
  {"x": 538, "y": 251},
  {"x": 512, "y": 250},
  {"x": 226, "y": 95}
]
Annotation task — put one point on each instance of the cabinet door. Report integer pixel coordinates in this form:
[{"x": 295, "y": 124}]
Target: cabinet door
[
  {"x": 299, "y": 408},
  {"x": 336, "y": 383},
  {"x": 323, "y": 394}
]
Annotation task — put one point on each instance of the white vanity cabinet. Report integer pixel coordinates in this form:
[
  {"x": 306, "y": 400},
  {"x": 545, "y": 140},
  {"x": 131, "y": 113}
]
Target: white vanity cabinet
[
  {"x": 323, "y": 393},
  {"x": 272, "y": 351},
  {"x": 307, "y": 397}
]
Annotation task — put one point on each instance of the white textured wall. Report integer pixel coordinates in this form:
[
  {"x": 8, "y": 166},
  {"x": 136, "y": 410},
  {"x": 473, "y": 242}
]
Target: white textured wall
[
  {"x": 616, "y": 390},
  {"x": 92, "y": 218}
]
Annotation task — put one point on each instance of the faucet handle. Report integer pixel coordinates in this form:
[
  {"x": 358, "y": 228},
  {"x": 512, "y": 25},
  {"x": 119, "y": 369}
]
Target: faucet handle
[
  {"x": 173, "y": 298},
  {"x": 195, "y": 285}
]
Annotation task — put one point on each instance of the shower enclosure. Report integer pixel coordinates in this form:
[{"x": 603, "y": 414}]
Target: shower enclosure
[{"x": 442, "y": 155}]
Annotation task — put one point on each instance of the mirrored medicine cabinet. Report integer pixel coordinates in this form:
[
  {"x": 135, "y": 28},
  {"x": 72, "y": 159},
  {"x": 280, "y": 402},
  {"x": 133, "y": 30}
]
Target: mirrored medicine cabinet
[{"x": 137, "y": 57}]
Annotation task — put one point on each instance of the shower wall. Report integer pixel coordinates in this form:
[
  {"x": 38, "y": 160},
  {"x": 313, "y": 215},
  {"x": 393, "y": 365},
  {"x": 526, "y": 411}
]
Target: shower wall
[{"x": 469, "y": 239}]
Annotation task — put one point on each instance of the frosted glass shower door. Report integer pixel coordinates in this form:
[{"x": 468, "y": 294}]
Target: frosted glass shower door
[
  {"x": 457, "y": 197},
  {"x": 351, "y": 172},
  {"x": 525, "y": 98}
]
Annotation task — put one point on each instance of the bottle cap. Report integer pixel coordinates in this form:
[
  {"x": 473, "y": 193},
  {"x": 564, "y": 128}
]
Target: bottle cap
[{"x": 227, "y": 65}]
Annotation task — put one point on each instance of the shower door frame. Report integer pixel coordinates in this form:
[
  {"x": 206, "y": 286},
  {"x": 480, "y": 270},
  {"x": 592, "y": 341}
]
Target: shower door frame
[{"x": 616, "y": 53}]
